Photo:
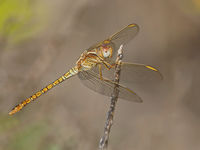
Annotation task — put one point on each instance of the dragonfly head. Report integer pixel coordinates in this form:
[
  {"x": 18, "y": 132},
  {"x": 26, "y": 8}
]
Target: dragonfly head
[{"x": 106, "y": 49}]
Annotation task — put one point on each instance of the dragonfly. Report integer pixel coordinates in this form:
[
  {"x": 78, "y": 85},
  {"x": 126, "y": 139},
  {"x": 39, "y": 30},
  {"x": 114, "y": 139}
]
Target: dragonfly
[{"x": 95, "y": 68}]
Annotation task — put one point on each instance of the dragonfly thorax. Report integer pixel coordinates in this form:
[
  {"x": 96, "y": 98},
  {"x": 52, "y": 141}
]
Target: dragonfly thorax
[{"x": 88, "y": 60}]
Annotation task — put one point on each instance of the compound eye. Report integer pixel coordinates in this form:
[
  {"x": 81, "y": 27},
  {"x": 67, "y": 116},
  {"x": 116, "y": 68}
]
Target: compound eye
[{"x": 106, "y": 53}]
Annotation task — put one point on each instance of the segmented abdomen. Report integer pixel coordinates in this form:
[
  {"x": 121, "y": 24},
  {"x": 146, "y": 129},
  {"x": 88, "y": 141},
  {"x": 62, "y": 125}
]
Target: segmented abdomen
[{"x": 67, "y": 75}]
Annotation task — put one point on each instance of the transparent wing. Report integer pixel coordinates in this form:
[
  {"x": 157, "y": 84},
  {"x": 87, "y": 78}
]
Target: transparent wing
[
  {"x": 134, "y": 73},
  {"x": 105, "y": 87},
  {"x": 124, "y": 36},
  {"x": 121, "y": 37}
]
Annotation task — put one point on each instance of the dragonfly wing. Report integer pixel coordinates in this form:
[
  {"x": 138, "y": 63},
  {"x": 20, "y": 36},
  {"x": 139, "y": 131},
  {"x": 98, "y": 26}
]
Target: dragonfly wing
[
  {"x": 105, "y": 87},
  {"x": 124, "y": 36},
  {"x": 119, "y": 38},
  {"x": 134, "y": 73}
]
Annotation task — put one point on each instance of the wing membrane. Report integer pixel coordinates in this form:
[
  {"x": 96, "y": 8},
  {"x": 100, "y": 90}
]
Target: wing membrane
[
  {"x": 105, "y": 87},
  {"x": 134, "y": 73},
  {"x": 121, "y": 37},
  {"x": 124, "y": 36}
]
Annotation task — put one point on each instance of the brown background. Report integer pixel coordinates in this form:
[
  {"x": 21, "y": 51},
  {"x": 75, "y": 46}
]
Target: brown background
[{"x": 72, "y": 115}]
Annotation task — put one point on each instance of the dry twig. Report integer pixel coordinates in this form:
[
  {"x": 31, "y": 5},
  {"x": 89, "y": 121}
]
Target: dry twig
[{"x": 103, "y": 144}]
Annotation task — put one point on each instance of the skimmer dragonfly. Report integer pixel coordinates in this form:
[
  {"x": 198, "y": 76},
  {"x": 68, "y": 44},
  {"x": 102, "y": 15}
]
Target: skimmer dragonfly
[{"x": 95, "y": 68}]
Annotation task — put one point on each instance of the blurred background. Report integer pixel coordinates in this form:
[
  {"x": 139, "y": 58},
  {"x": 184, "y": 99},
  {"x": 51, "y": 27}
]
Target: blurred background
[{"x": 41, "y": 39}]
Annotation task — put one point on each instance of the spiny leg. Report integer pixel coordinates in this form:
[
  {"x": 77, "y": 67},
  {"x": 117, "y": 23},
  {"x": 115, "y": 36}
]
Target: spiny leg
[
  {"x": 100, "y": 71},
  {"x": 108, "y": 65}
]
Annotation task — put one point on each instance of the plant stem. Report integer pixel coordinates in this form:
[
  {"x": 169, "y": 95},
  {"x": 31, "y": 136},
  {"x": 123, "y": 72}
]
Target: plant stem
[{"x": 103, "y": 144}]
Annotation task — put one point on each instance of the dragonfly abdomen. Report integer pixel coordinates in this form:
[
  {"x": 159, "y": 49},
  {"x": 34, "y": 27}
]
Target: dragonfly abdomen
[{"x": 67, "y": 75}]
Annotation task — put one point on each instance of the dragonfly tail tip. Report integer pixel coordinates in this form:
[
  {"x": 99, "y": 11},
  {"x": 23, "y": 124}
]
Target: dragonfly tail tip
[{"x": 10, "y": 113}]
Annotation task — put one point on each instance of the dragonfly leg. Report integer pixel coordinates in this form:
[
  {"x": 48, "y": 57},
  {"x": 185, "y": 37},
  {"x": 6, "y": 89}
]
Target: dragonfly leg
[
  {"x": 107, "y": 65},
  {"x": 100, "y": 71}
]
